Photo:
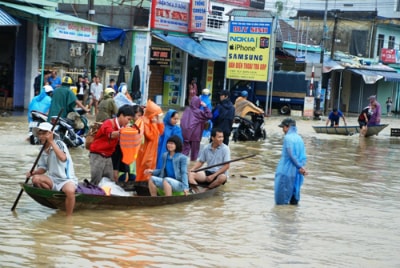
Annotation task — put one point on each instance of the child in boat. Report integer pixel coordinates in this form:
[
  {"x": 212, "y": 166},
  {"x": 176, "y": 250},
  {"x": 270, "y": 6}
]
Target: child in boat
[
  {"x": 171, "y": 128},
  {"x": 172, "y": 176},
  {"x": 57, "y": 163}
]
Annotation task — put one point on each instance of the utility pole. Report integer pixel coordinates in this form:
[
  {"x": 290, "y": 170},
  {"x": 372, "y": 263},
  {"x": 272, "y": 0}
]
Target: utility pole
[
  {"x": 324, "y": 34},
  {"x": 334, "y": 35}
]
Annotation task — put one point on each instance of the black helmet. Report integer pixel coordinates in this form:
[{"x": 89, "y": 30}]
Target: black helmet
[{"x": 287, "y": 122}]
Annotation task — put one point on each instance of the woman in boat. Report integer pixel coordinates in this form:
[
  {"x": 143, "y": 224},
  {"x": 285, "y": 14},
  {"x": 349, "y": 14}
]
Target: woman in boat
[
  {"x": 170, "y": 128},
  {"x": 153, "y": 128},
  {"x": 57, "y": 163},
  {"x": 173, "y": 175}
]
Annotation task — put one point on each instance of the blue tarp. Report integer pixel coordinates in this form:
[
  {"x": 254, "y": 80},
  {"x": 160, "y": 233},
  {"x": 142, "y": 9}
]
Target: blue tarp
[
  {"x": 107, "y": 34},
  {"x": 210, "y": 51}
]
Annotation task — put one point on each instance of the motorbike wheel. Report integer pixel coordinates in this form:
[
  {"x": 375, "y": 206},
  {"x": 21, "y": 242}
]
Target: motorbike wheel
[
  {"x": 263, "y": 134},
  {"x": 235, "y": 135}
]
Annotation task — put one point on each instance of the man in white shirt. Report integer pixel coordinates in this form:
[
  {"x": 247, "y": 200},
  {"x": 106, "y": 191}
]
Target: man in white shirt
[{"x": 96, "y": 89}]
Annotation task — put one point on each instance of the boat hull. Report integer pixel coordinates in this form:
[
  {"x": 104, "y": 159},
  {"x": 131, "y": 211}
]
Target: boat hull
[
  {"x": 349, "y": 130},
  {"x": 56, "y": 200}
]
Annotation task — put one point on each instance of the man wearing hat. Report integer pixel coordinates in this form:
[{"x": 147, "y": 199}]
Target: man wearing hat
[
  {"x": 55, "y": 170},
  {"x": 223, "y": 115},
  {"x": 290, "y": 171}
]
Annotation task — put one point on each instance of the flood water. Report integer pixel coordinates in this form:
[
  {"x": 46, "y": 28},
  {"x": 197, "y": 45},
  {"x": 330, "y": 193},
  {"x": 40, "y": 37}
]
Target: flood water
[{"x": 348, "y": 215}]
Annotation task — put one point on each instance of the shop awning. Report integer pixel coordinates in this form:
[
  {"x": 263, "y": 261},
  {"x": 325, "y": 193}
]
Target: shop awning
[
  {"x": 15, "y": 9},
  {"x": 372, "y": 76},
  {"x": 193, "y": 47},
  {"x": 7, "y": 20},
  {"x": 311, "y": 57}
]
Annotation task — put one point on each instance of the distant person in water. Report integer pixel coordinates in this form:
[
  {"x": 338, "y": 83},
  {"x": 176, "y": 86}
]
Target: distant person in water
[
  {"x": 334, "y": 117},
  {"x": 376, "y": 112}
]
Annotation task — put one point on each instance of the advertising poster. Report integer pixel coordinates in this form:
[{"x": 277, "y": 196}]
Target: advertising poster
[
  {"x": 248, "y": 50},
  {"x": 210, "y": 75},
  {"x": 308, "y": 106}
]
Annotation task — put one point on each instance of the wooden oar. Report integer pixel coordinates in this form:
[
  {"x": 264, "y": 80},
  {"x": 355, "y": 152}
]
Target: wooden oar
[
  {"x": 35, "y": 163},
  {"x": 223, "y": 163}
]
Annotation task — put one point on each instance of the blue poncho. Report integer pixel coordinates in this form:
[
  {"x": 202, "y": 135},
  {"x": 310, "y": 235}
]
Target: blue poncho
[
  {"x": 288, "y": 179},
  {"x": 40, "y": 103}
]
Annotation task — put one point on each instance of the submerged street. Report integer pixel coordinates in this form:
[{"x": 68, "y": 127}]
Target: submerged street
[{"x": 347, "y": 215}]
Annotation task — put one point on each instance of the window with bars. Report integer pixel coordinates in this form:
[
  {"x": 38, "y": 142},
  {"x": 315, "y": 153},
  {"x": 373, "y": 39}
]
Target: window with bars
[
  {"x": 391, "y": 41},
  {"x": 381, "y": 40},
  {"x": 215, "y": 18}
]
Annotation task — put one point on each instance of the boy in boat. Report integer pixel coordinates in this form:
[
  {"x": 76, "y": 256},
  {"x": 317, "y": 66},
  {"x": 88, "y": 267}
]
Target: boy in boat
[
  {"x": 213, "y": 153},
  {"x": 57, "y": 163}
]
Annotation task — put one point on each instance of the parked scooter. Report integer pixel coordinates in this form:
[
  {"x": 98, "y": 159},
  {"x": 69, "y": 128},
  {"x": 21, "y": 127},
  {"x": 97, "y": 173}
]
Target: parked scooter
[
  {"x": 71, "y": 130},
  {"x": 37, "y": 118},
  {"x": 244, "y": 129}
]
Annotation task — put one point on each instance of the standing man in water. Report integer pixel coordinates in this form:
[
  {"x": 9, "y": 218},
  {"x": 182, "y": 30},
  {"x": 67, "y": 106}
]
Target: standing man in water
[{"x": 290, "y": 171}]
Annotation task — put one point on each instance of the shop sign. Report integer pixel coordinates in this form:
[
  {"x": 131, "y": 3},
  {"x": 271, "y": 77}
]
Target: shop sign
[
  {"x": 198, "y": 16},
  {"x": 388, "y": 55},
  {"x": 160, "y": 56},
  {"x": 170, "y": 15},
  {"x": 248, "y": 50},
  {"x": 73, "y": 31}
]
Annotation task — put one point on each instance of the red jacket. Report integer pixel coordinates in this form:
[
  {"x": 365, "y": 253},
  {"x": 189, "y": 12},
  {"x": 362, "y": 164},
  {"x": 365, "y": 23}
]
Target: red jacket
[{"x": 102, "y": 143}]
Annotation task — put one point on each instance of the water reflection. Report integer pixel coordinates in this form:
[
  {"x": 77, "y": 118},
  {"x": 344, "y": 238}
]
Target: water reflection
[{"x": 347, "y": 216}]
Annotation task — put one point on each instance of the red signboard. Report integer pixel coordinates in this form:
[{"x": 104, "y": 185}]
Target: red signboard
[
  {"x": 388, "y": 55},
  {"x": 198, "y": 16},
  {"x": 170, "y": 15}
]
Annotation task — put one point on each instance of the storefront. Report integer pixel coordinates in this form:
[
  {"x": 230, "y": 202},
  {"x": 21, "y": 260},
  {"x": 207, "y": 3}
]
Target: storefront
[
  {"x": 8, "y": 28},
  {"x": 177, "y": 59},
  {"x": 28, "y": 45}
]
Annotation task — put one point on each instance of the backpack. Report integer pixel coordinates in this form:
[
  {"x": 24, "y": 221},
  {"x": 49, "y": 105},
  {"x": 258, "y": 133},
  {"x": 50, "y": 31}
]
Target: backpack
[
  {"x": 93, "y": 129},
  {"x": 88, "y": 188}
]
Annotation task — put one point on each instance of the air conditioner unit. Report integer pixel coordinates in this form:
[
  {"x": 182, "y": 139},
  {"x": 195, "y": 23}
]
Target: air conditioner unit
[
  {"x": 100, "y": 49},
  {"x": 78, "y": 51},
  {"x": 72, "y": 51}
]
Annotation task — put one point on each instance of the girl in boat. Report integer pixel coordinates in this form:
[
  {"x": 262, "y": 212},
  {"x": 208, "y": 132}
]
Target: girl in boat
[
  {"x": 173, "y": 175},
  {"x": 171, "y": 128}
]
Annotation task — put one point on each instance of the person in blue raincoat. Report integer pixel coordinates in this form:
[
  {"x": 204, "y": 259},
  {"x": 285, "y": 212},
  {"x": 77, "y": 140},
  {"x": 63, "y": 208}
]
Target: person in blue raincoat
[
  {"x": 290, "y": 171},
  {"x": 171, "y": 128},
  {"x": 205, "y": 97},
  {"x": 41, "y": 102}
]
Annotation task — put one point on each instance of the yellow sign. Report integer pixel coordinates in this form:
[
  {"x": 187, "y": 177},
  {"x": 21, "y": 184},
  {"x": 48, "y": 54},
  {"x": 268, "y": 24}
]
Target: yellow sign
[
  {"x": 248, "y": 50},
  {"x": 210, "y": 75}
]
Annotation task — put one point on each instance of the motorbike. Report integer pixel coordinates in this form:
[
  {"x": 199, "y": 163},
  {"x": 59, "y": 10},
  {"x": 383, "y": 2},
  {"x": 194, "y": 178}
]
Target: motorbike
[
  {"x": 244, "y": 129},
  {"x": 71, "y": 130}
]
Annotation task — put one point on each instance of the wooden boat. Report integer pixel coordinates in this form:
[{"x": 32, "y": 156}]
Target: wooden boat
[
  {"x": 349, "y": 130},
  {"x": 56, "y": 200}
]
